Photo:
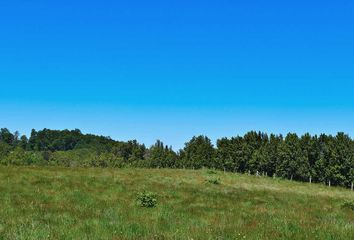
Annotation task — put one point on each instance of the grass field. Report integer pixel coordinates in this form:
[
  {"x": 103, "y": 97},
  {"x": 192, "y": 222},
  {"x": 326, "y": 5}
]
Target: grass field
[{"x": 63, "y": 203}]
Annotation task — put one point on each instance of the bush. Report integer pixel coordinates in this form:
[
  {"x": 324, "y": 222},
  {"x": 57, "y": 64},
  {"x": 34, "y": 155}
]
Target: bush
[
  {"x": 348, "y": 205},
  {"x": 215, "y": 181},
  {"x": 147, "y": 199}
]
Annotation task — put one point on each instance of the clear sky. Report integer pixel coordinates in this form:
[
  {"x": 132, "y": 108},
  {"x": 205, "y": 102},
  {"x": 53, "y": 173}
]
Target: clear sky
[{"x": 169, "y": 70}]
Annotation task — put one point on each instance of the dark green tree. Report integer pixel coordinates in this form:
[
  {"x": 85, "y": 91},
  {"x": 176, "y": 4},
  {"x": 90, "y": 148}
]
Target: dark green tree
[
  {"x": 292, "y": 159},
  {"x": 6, "y": 136},
  {"x": 198, "y": 152}
]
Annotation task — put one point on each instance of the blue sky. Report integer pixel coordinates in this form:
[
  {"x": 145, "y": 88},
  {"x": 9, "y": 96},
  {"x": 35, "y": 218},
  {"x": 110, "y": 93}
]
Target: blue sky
[{"x": 169, "y": 70}]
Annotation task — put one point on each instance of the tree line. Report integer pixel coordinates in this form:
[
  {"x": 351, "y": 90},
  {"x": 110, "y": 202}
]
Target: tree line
[{"x": 325, "y": 158}]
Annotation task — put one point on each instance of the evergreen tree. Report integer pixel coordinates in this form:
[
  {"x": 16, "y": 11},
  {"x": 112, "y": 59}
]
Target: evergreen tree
[
  {"x": 323, "y": 159},
  {"x": 23, "y": 142},
  {"x": 6, "y": 136},
  {"x": 292, "y": 159},
  {"x": 199, "y": 152}
]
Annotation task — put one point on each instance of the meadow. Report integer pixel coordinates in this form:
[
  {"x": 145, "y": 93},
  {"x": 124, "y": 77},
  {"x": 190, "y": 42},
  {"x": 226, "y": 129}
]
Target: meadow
[{"x": 95, "y": 203}]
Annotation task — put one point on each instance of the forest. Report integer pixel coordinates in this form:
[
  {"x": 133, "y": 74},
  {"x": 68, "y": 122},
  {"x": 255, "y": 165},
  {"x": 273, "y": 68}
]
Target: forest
[{"x": 323, "y": 159}]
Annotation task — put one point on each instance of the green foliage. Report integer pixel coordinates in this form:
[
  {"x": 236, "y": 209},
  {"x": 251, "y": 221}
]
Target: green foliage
[
  {"x": 55, "y": 140},
  {"x": 215, "y": 181},
  {"x": 210, "y": 171},
  {"x": 161, "y": 156},
  {"x": 146, "y": 199},
  {"x": 6, "y": 136},
  {"x": 20, "y": 157},
  {"x": 5, "y": 149},
  {"x": 198, "y": 153},
  {"x": 321, "y": 158},
  {"x": 348, "y": 205},
  {"x": 293, "y": 160}
]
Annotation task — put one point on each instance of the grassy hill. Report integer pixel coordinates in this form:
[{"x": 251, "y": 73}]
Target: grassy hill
[{"x": 64, "y": 203}]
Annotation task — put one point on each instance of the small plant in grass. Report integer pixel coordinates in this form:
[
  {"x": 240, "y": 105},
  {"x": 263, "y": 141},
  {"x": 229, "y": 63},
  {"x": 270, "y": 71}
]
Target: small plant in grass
[
  {"x": 348, "y": 205},
  {"x": 211, "y": 171},
  {"x": 215, "y": 181},
  {"x": 147, "y": 199}
]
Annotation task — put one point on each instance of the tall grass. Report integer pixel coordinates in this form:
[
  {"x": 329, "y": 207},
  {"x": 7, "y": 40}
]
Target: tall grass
[{"x": 64, "y": 203}]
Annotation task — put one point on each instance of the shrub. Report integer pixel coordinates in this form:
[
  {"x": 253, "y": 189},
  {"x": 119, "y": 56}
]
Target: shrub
[
  {"x": 147, "y": 199},
  {"x": 211, "y": 172},
  {"x": 348, "y": 205},
  {"x": 215, "y": 181}
]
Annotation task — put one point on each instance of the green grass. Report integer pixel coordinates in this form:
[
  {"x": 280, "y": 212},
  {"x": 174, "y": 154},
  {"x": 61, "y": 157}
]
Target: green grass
[{"x": 63, "y": 203}]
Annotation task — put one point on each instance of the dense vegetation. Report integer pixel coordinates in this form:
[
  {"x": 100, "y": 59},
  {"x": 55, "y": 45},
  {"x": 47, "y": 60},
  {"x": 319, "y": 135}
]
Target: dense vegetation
[
  {"x": 101, "y": 203},
  {"x": 325, "y": 158}
]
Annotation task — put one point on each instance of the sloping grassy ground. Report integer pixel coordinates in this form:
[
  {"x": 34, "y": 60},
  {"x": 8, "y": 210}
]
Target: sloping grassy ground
[{"x": 63, "y": 203}]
